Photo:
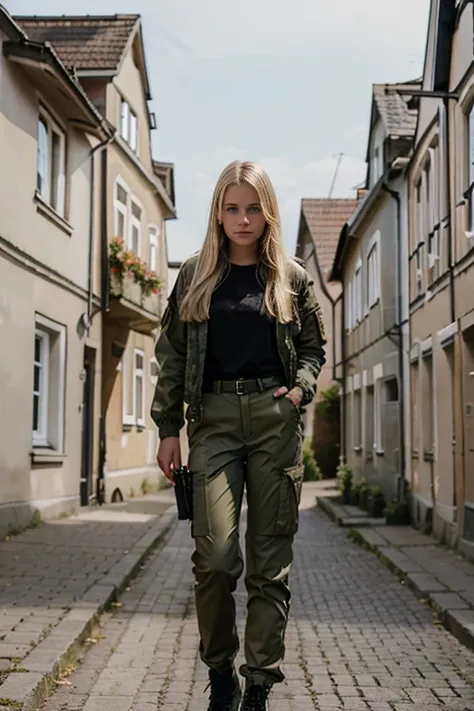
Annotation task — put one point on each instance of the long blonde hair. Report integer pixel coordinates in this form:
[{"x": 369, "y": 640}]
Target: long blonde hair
[{"x": 212, "y": 259}]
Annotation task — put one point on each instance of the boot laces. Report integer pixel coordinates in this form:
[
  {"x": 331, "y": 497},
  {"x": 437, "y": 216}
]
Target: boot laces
[
  {"x": 222, "y": 693},
  {"x": 255, "y": 698}
]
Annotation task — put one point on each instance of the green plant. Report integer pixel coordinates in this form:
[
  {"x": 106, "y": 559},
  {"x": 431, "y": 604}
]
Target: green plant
[
  {"x": 345, "y": 478},
  {"x": 36, "y": 519},
  {"x": 312, "y": 472},
  {"x": 376, "y": 502},
  {"x": 328, "y": 401},
  {"x": 364, "y": 494},
  {"x": 397, "y": 513}
]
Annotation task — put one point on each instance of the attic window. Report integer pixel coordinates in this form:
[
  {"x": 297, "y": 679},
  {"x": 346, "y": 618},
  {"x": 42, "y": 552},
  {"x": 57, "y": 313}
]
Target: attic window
[{"x": 128, "y": 125}]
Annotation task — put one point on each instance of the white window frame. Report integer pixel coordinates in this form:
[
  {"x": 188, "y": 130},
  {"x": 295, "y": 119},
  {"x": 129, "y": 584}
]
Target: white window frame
[
  {"x": 128, "y": 413},
  {"x": 53, "y": 430},
  {"x": 139, "y": 375},
  {"x": 128, "y": 125},
  {"x": 373, "y": 271},
  {"x": 153, "y": 247},
  {"x": 40, "y": 435},
  {"x": 378, "y": 383},
  {"x": 357, "y": 291},
  {"x": 469, "y": 193},
  {"x": 135, "y": 222},
  {"x": 57, "y": 201},
  {"x": 121, "y": 207}
]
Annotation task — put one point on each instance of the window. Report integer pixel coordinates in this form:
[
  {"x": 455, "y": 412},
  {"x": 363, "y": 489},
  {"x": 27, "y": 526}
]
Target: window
[
  {"x": 415, "y": 406},
  {"x": 40, "y": 387},
  {"x": 470, "y": 174},
  {"x": 358, "y": 293},
  {"x": 135, "y": 228},
  {"x": 51, "y": 164},
  {"x": 428, "y": 404},
  {"x": 357, "y": 420},
  {"x": 139, "y": 387},
  {"x": 373, "y": 276},
  {"x": 121, "y": 210},
  {"x": 128, "y": 125},
  {"x": 49, "y": 363},
  {"x": 153, "y": 248},
  {"x": 391, "y": 390},
  {"x": 369, "y": 421},
  {"x": 377, "y": 164},
  {"x": 378, "y": 445}
]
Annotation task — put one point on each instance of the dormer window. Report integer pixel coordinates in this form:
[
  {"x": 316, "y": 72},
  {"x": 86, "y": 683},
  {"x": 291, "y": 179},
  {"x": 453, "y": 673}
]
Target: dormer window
[{"x": 376, "y": 164}]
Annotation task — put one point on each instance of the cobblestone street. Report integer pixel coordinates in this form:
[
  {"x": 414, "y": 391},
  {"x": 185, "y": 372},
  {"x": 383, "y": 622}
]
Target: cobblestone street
[{"x": 357, "y": 639}]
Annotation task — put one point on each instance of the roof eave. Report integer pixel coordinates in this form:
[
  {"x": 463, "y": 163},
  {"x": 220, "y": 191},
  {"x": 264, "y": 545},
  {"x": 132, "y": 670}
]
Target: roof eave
[
  {"x": 28, "y": 54},
  {"x": 10, "y": 27}
]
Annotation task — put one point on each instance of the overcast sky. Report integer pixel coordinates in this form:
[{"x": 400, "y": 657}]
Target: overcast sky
[{"x": 284, "y": 82}]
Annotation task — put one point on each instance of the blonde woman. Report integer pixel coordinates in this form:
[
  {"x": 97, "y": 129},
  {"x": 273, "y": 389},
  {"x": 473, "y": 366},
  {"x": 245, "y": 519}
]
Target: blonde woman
[{"x": 242, "y": 344}]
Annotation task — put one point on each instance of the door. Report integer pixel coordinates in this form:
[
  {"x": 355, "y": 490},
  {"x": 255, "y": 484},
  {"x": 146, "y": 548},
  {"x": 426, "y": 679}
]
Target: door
[
  {"x": 88, "y": 425},
  {"x": 468, "y": 425}
]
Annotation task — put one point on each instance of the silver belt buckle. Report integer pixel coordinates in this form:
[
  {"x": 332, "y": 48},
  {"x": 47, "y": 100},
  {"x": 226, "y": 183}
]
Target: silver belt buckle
[{"x": 239, "y": 387}]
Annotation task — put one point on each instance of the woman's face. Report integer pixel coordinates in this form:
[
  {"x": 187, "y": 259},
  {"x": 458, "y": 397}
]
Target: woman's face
[{"x": 242, "y": 215}]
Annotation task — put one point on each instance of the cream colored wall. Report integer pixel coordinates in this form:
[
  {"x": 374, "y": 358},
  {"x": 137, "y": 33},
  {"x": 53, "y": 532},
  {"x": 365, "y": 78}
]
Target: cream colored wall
[
  {"x": 38, "y": 236},
  {"x": 120, "y": 165},
  {"x": 128, "y": 84},
  {"x": 22, "y": 295},
  {"x": 461, "y": 56},
  {"x": 38, "y": 289}
]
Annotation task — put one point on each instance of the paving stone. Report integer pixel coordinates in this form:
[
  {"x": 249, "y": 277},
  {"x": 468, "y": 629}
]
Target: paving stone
[
  {"x": 426, "y": 583},
  {"x": 357, "y": 639}
]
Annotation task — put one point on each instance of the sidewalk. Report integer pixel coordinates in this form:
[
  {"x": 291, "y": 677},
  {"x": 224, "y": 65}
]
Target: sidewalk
[
  {"x": 56, "y": 579},
  {"x": 434, "y": 572}
]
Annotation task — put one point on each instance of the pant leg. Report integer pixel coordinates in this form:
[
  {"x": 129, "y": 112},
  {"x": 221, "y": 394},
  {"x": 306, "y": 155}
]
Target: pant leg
[
  {"x": 274, "y": 477},
  {"x": 218, "y": 479}
]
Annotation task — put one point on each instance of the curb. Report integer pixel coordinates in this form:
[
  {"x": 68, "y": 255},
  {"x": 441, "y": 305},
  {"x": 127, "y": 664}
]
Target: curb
[
  {"x": 27, "y": 688},
  {"x": 451, "y": 609},
  {"x": 339, "y": 515}
]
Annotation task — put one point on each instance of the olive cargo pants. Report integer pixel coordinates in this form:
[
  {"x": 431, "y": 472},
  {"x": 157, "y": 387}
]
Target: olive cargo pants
[{"x": 254, "y": 441}]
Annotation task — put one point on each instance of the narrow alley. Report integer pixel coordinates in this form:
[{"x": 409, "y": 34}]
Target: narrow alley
[{"x": 357, "y": 638}]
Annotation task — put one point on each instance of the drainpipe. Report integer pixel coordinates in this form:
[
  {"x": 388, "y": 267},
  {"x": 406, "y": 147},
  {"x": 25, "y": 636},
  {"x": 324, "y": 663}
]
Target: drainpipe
[
  {"x": 90, "y": 281},
  {"x": 344, "y": 372},
  {"x": 401, "y": 366}
]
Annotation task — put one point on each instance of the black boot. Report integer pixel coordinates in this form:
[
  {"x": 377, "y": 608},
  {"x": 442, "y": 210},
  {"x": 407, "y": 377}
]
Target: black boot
[
  {"x": 225, "y": 690},
  {"x": 256, "y": 698}
]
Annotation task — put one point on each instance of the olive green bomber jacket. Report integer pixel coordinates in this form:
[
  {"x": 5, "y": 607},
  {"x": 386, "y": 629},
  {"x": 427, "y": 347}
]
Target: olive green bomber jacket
[{"x": 181, "y": 351}]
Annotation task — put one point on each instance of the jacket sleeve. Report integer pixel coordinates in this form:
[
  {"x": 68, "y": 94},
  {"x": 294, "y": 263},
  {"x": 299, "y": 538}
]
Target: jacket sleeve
[
  {"x": 310, "y": 341},
  {"x": 167, "y": 409}
]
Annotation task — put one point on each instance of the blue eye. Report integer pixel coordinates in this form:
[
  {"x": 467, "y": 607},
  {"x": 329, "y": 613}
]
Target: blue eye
[
  {"x": 255, "y": 209},
  {"x": 231, "y": 209}
]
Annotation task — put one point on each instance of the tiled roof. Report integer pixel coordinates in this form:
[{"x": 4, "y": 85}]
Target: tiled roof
[
  {"x": 85, "y": 42},
  {"x": 398, "y": 119},
  {"x": 325, "y": 219}
]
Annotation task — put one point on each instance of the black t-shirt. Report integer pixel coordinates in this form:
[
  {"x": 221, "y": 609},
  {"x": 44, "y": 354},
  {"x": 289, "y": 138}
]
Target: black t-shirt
[{"x": 241, "y": 339}]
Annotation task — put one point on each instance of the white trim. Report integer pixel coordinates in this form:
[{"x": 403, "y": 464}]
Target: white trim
[
  {"x": 153, "y": 247},
  {"x": 139, "y": 374},
  {"x": 378, "y": 380},
  {"x": 446, "y": 335},
  {"x": 349, "y": 385},
  {"x": 58, "y": 201},
  {"x": 153, "y": 378},
  {"x": 40, "y": 436},
  {"x": 374, "y": 283},
  {"x": 426, "y": 346},
  {"x": 135, "y": 222},
  {"x": 364, "y": 378},
  {"x": 60, "y": 386},
  {"x": 356, "y": 381},
  {"x": 128, "y": 419},
  {"x": 122, "y": 207},
  {"x": 415, "y": 352}
]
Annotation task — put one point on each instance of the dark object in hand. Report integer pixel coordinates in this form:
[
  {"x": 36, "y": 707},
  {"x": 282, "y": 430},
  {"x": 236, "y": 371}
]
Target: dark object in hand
[{"x": 183, "y": 489}]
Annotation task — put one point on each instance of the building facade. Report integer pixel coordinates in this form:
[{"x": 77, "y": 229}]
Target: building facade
[
  {"x": 440, "y": 186},
  {"x": 137, "y": 200},
  {"x": 321, "y": 221},
  {"x": 49, "y": 131},
  {"x": 372, "y": 317}
]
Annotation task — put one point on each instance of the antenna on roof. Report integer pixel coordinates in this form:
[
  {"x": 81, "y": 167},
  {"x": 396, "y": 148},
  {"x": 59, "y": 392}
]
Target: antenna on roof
[{"x": 333, "y": 184}]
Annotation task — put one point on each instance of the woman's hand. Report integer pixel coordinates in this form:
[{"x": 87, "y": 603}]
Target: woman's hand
[
  {"x": 295, "y": 395},
  {"x": 169, "y": 456}
]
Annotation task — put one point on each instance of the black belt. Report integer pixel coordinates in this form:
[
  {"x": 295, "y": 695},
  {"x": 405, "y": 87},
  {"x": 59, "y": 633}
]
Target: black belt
[{"x": 242, "y": 386}]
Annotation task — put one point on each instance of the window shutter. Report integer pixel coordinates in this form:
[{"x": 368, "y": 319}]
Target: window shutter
[{"x": 433, "y": 208}]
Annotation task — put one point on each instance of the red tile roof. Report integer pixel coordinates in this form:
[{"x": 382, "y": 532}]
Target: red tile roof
[
  {"x": 325, "y": 218},
  {"x": 86, "y": 42}
]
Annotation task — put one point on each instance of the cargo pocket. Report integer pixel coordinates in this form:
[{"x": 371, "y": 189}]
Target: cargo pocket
[
  {"x": 286, "y": 523},
  {"x": 200, "y": 522}
]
